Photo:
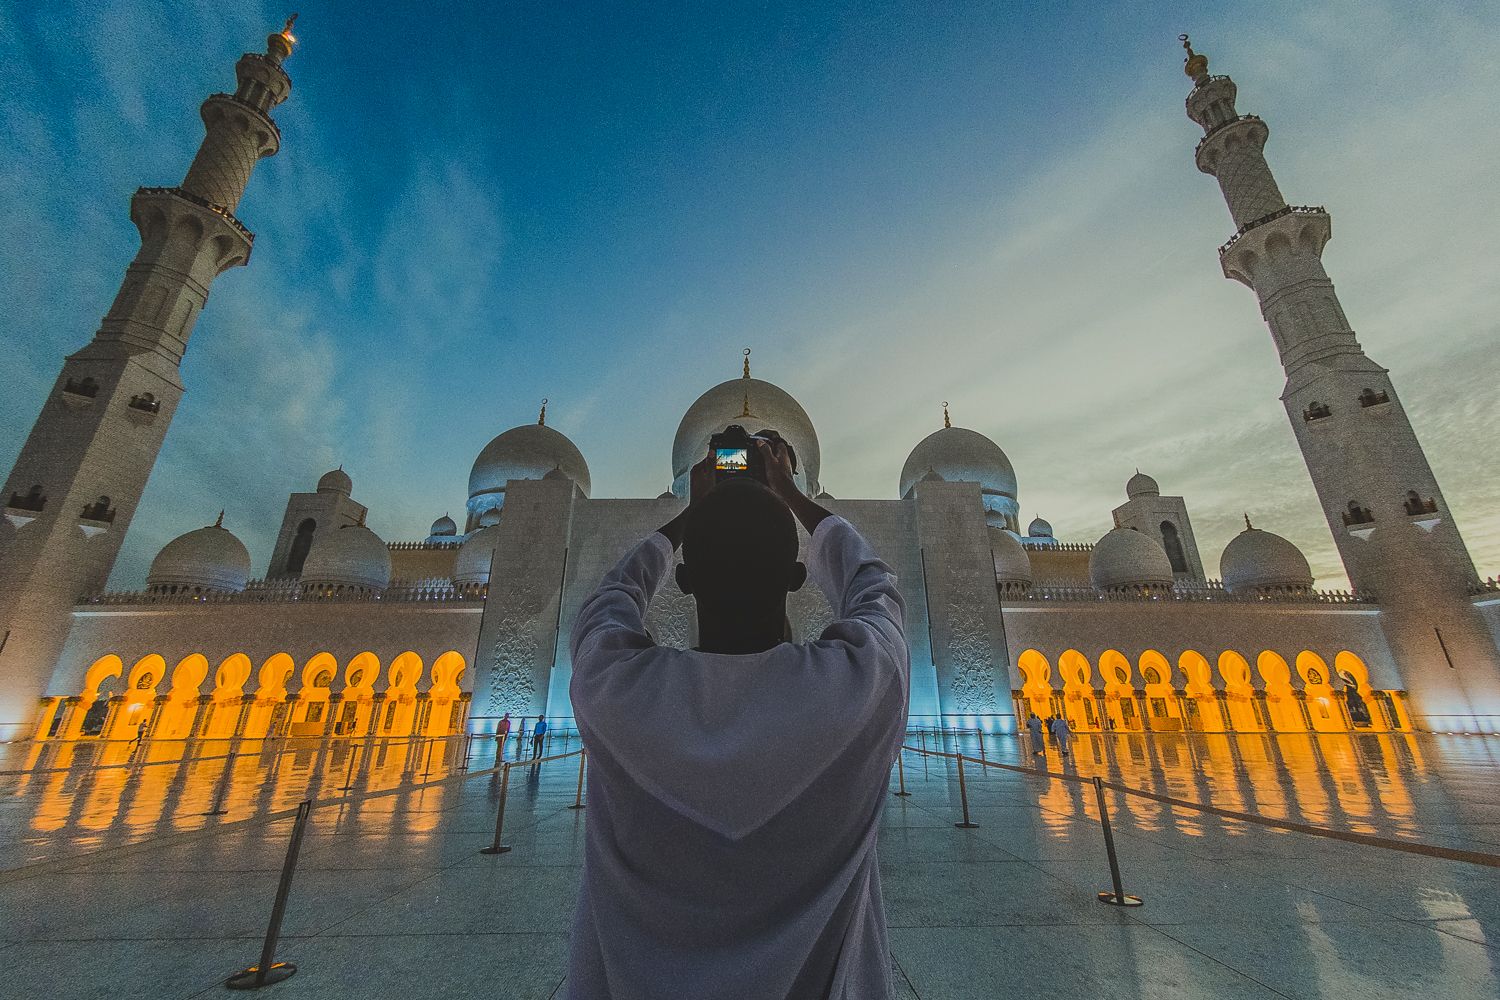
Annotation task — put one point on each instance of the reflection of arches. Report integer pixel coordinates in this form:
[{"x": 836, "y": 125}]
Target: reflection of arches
[
  {"x": 1322, "y": 703},
  {"x": 1078, "y": 690},
  {"x": 443, "y": 716},
  {"x": 310, "y": 714},
  {"x": 1364, "y": 707},
  {"x": 1281, "y": 700},
  {"x": 1239, "y": 694},
  {"x": 1036, "y": 682},
  {"x": 1172, "y": 542},
  {"x": 229, "y": 690},
  {"x": 270, "y": 691},
  {"x": 1203, "y": 703},
  {"x": 1119, "y": 693},
  {"x": 301, "y": 544},
  {"x": 359, "y": 695},
  {"x": 400, "y": 709},
  {"x": 175, "y": 722},
  {"x": 1162, "y": 708}
]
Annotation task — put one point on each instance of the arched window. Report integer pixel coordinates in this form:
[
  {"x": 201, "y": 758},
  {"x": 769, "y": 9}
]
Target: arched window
[
  {"x": 146, "y": 403},
  {"x": 32, "y": 501},
  {"x": 300, "y": 545},
  {"x": 1416, "y": 505},
  {"x": 1316, "y": 411},
  {"x": 1358, "y": 514},
  {"x": 85, "y": 386},
  {"x": 1172, "y": 542},
  {"x": 1369, "y": 397},
  {"x": 99, "y": 510}
]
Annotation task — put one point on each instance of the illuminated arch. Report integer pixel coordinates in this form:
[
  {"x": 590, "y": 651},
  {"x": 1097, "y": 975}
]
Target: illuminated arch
[
  {"x": 1119, "y": 691},
  {"x": 360, "y": 674},
  {"x": 400, "y": 710},
  {"x": 1281, "y": 700},
  {"x": 100, "y": 672},
  {"x": 310, "y": 713},
  {"x": 229, "y": 690},
  {"x": 1239, "y": 693},
  {"x": 270, "y": 692},
  {"x": 443, "y": 716},
  {"x": 1163, "y": 710},
  {"x": 175, "y": 721},
  {"x": 139, "y": 699},
  {"x": 1323, "y": 706},
  {"x": 106, "y": 668},
  {"x": 1078, "y": 690},
  {"x": 1204, "y": 711},
  {"x": 1036, "y": 682},
  {"x": 1364, "y": 707}
]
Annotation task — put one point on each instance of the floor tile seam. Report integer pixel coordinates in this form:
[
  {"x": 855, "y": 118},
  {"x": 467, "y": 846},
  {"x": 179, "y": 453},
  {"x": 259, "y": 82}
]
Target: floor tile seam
[
  {"x": 406, "y": 888},
  {"x": 1225, "y": 965},
  {"x": 1437, "y": 926},
  {"x": 901, "y": 969}
]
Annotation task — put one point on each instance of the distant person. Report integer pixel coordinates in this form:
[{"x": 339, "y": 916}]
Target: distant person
[
  {"x": 1063, "y": 734},
  {"x": 717, "y": 863},
  {"x": 502, "y": 732},
  {"x": 1034, "y": 727},
  {"x": 537, "y": 735}
]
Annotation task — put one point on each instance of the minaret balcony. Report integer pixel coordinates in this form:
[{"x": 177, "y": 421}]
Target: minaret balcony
[
  {"x": 1226, "y": 136},
  {"x": 79, "y": 393},
  {"x": 22, "y": 510},
  {"x": 1291, "y": 228},
  {"x": 192, "y": 199}
]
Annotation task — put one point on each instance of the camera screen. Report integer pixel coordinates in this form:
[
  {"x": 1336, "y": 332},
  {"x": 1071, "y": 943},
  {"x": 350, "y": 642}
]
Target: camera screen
[{"x": 732, "y": 459}]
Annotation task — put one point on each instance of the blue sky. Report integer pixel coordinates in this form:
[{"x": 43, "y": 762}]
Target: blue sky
[{"x": 892, "y": 204}]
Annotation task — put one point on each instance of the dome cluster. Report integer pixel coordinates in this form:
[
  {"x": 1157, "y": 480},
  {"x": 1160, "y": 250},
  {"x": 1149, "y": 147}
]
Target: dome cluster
[
  {"x": 959, "y": 455},
  {"x": 530, "y": 451},
  {"x": 351, "y": 559},
  {"x": 1127, "y": 560}
]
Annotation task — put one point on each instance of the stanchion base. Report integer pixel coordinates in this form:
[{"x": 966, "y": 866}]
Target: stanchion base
[
  {"x": 967, "y": 826},
  {"x": 1113, "y": 900},
  {"x": 215, "y": 812},
  {"x": 577, "y": 807},
  {"x": 502, "y": 849},
  {"x": 250, "y": 978},
  {"x": 901, "y": 795}
]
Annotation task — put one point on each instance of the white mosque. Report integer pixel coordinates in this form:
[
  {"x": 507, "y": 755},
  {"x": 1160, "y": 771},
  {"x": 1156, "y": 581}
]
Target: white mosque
[{"x": 347, "y": 634}]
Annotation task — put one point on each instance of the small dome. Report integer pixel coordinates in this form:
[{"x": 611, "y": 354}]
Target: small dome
[
  {"x": 1141, "y": 485},
  {"x": 959, "y": 455},
  {"x": 352, "y": 556},
  {"x": 1039, "y": 528},
  {"x": 530, "y": 451},
  {"x": 475, "y": 556},
  {"x": 1125, "y": 559},
  {"x": 771, "y": 408},
  {"x": 1260, "y": 560},
  {"x": 209, "y": 558},
  {"x": 1012, "y": 564},
  {"x": 490, "y": 518},
  {"x": 444, "y": 527},
  {"x": 337, "y": 481}
]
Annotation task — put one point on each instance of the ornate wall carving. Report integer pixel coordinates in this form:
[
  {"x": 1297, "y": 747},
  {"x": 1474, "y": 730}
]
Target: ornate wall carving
[{"x": 514, "y": 652}]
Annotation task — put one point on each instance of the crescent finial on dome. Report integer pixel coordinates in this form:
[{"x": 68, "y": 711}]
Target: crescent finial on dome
[
  {"x": 747, "y": 363},
  {"x": 1195, "y": 65},
  {"x": 219, "y": 521},
  {"x": 1248, "y": 525},
  {"x": 946, "y": 421},
  {"x": 542, "y": 417}
]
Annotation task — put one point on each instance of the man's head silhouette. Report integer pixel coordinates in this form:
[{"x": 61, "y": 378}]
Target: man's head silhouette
[{"x": 739, "y": 561}]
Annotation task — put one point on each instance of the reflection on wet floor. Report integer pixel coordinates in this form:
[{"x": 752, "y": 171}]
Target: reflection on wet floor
[{"x": 391, "y": 884}]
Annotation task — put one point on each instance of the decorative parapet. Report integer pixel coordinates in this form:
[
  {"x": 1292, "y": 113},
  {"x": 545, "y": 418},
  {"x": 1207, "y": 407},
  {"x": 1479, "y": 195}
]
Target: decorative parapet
[
  {"x": 1282, "y": 212},
  {"x": 290, "y": 591},
  {"x": 1488, "y": 586},
  {"x": 423, "y": 546},
  {"x": 1209, "y": 591},
  {"x": 1050, "y": 546},
  {"x": 1221, "y": 127}
]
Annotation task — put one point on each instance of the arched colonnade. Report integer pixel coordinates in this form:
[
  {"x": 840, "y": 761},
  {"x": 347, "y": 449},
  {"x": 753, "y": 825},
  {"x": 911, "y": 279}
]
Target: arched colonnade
[
  {"x": 1231, "y": 693},
  {"x": 196, "y": 699}
]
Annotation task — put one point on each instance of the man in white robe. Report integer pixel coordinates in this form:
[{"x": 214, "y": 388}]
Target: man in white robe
[{"x": 735, "y": 791}]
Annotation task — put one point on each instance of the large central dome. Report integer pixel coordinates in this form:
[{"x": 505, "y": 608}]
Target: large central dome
[
  {"x": 526, "y": 452},
  {"x": 769, "y": 408}
]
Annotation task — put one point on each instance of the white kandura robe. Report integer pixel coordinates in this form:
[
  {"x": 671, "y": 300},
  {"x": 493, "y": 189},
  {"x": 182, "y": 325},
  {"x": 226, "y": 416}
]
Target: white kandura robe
[{"x": 734, "y": 800}]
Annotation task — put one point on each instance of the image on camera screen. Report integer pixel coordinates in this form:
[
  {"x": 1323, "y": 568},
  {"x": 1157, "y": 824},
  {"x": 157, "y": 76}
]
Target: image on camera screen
[{"x": 732, "y": 459}]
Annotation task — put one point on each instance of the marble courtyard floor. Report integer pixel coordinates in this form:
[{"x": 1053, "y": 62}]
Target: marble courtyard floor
[{"x": 113, "y": 882}]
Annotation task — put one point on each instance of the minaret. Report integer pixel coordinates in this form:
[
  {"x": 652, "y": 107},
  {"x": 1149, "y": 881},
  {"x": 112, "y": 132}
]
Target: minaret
[
  {"x": 80, "y": 474},
  {"x": 1392, "y": 526}
]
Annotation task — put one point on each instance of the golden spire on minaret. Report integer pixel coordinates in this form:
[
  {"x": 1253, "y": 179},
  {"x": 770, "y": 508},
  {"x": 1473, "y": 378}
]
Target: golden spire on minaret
[
  {"x": 542, "y": 417},
  {"x": 1195, "y": 65},
  {"x": 279, "y": 45},
  {"x": 745, "y": 412},
  {"x": 946, "y": 421}
]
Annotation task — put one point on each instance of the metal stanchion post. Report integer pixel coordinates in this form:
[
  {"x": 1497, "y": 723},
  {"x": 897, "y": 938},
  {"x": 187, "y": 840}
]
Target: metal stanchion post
[
  {"x": 349, "y": 777},
  {"x": 583, "y": 756},
  {"x": 1118, "y": 897},
  {"x": 901, "y": 772},
  {"x": 468, "y": 743},
  {"x": 497, "y": 847},
  {"x": 983, "y": 760},
  {"x": 269, "y": 970},
  {"x": 963, "y": 795},
  {"x": 923, "y": 755}
]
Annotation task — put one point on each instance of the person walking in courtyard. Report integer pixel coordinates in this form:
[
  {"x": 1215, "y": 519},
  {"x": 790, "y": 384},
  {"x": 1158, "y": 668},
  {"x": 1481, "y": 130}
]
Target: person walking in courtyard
[
  {"x": 1034, "y": 728},
  {"x": 1062, "y": 733},
  {"x": 537, "y": 736},
  {"x": 502, "y": 732},
  {"x": 718, "y": 863}
]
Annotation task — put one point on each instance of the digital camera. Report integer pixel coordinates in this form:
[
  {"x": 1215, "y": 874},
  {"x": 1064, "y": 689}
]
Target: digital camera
[{"x": 735, "y": 453}]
